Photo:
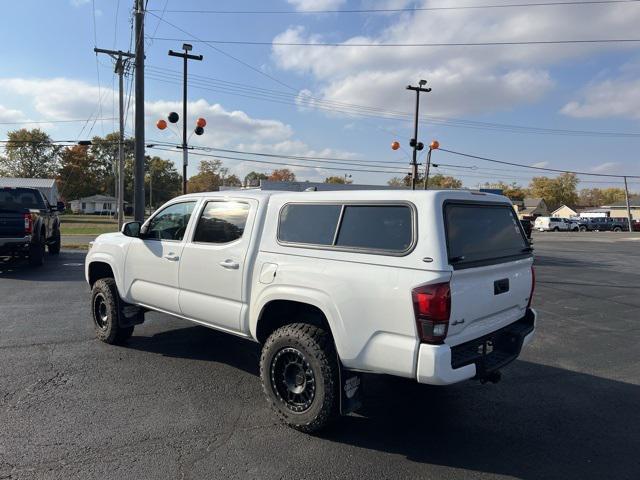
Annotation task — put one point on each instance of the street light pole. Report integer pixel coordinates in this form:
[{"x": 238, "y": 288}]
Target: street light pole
[
  {"x": 185, "y": 152},
  {"x": 414, "y": 141},
  {"x": 434, "y": 146}
]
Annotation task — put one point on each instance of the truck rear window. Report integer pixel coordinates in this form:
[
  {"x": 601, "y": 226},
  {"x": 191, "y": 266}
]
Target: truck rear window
[
  {"x": 483, "y": 234},
  {"x": 19, "y": 198}
]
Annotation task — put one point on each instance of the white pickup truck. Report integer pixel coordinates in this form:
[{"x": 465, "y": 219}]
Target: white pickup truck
[{"x": 430, "y": 285}]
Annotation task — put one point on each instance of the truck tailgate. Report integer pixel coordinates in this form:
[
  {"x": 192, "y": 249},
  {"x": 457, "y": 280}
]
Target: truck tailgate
[
  {"x": 487, "y": 298},
  {"x": 11, "y": 224}
]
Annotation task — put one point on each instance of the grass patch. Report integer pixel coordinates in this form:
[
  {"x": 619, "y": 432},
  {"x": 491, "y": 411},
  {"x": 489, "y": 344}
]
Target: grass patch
[{"x": 87, "y": 224}]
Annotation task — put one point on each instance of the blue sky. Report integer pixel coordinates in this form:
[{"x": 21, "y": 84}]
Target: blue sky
[{"x": 50, "y": 73}]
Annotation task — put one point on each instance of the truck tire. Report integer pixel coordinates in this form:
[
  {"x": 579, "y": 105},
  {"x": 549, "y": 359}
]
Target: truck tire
[
  {"x": 54, "y": 246},
  {"x": 299, "y": 372},
  {"x": 583, "y": 229},
  {"x": 556, "y": 229},
  {"x": 36, "y": 253},
  {"x": 105, "y": 311},
  {"x": 617, "y": 229}
]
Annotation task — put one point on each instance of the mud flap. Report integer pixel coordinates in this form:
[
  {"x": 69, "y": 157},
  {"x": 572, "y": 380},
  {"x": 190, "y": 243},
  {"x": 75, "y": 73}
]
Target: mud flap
[{"x": 350, "y": 390}]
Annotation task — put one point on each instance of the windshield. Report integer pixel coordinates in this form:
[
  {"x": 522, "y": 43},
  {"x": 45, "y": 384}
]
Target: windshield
[
  {"x": 483, "y": 234},
  {"x": 20, "y": 198}
]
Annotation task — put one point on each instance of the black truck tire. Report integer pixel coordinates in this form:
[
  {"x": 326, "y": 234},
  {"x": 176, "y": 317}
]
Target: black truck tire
[
  {"x": 106, "y": 313},
  {"x": 300, "y": 378},
  {"x": 36, "y": 253},
  {"x": 54, "y": 246}
]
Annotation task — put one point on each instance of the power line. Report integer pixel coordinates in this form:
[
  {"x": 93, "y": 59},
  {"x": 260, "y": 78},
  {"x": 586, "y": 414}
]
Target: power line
[
  {"x": 429, "y": 45},
  {"x": 477, "y": 157},
  {"x": 27, "y": 122},
  {"x": 223, "y": 157},
  {"x": 336, "y": 160},
  {"x": 286, "y": 98},
  {"x": 222, "y": 52},
  {"x": 400, "y": 10}
]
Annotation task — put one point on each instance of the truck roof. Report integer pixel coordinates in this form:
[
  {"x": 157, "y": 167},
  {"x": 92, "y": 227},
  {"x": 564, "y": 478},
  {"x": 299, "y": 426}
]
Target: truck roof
[{"x": 342, "y": 195}]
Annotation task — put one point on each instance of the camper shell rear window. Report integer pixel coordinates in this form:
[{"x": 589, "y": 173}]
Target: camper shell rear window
[{"x": 483, "y": 233}]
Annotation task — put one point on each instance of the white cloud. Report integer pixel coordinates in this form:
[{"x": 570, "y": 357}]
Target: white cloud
[
  {"x": 310, "y": 5},
  {"x": 58, "y": 98},
  {"x": 464, "y": 79},
  {"x": 11, "y": 115},
  {"x": 63, "y": 99},
  {"x": 609, "y": 98},
  {"x": 224, "y": 127},
  {"x": 78, "y": 3}
]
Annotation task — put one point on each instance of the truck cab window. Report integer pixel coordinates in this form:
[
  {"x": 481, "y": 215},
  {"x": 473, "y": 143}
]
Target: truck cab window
[
  {"x": 221, "y": 222},
  {"x": 171, "y": 222}
]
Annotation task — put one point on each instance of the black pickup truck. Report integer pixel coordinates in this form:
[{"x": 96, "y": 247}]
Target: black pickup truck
[{"x": 28, "y": 224}]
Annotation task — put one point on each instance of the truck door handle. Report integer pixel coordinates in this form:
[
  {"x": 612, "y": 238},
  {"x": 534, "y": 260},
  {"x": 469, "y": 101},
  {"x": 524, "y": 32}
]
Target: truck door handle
[
  {"x": 172, "y": 257},
  {"x": 230, "y": 264}
]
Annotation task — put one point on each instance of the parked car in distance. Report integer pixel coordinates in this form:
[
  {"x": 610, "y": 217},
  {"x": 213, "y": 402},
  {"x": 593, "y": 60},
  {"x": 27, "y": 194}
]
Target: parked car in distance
[
  {"x": 28, "y": 224},
  {"x": 607, "y": 224},
  {"x": 552, "y": 224},
  {"x": 435, "y": 286}
]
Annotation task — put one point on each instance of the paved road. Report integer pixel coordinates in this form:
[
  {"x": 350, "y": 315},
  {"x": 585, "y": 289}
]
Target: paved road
[{"x": 181, "y": 401}]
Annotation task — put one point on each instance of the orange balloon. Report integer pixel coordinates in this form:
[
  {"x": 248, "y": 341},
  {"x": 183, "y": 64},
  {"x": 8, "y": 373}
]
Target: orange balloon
[
  {"x": 201, "y": 122},
  {"x": 161, "y": 124},
  {"x": 395, "y": 145},
  {"x": 434, "y": 145}
]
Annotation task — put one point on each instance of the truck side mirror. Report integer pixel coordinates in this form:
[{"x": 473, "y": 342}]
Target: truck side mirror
[
  {"x": 131, "y": 229},
  {"x": 60, "y": 206}
]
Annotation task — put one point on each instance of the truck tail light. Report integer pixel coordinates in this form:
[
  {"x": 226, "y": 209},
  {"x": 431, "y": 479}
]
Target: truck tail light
[
  {"x": 533, "y": 286},
  {"x": 432, "y": 307},
  {"x": 28, "y": 223}
]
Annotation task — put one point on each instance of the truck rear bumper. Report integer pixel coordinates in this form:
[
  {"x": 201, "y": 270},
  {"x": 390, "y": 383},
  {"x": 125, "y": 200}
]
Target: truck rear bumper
[
  {"x": 14, "y": 246},
  {"x": 444, "y": 365}
]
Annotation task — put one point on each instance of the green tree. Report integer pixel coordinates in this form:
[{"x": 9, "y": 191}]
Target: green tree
[
  {"x": 231, "y": 181},
  {"x": 444, "y": 181},
  {"x": 208, "y": 178},
  {"x": 252, "y": 179},
  {"x": 162, "y": 181},
  {"x": 77, "y": 176},
  {"x": 338, "y": 179},
  {"x": 105, "y": 154},
  {"x": 556, "y": 191},
  {"x": 30, "y": 154}
]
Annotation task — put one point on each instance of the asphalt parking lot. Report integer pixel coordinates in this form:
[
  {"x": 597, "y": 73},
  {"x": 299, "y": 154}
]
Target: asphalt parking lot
[{"x": 182, "y": 401}]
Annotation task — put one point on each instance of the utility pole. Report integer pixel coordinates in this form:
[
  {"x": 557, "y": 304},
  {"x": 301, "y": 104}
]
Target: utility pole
[
  {"x": 185, "y": 152},
  {"x": 121, "y": 59},
  {"x": 138, "y": 172},
  {"x": 626, "y": 198},
  {"x": 414, "y": 141}
]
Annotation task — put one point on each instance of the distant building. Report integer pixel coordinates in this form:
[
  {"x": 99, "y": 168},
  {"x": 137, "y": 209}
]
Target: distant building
[
  {"x": 564, "y": 212},
  {"x": 47, "y": 186},
  {"x": 613, "y": 211},
  {"x": 95, "y": 204},
  {"x": 531, "y": 208}
]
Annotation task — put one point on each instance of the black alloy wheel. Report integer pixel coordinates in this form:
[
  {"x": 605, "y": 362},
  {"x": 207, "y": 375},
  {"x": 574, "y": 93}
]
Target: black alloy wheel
[{"x": 293, "y": 380}]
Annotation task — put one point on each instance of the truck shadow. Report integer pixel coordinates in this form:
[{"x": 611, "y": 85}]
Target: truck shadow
[
  {"x": 539, "y": 422},
  {"x": 202, "y": 343}
]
